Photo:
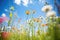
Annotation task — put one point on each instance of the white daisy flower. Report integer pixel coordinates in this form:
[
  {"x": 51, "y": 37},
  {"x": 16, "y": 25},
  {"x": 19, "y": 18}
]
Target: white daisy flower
[
  {"x": 47, "y": 8},
  {"x": 51, "y": 14}
]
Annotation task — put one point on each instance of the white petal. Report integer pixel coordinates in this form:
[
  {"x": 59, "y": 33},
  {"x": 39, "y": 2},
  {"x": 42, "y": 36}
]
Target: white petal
[
  {"x": 51, "y": 13},
  {"x": 44, "y": 8}
]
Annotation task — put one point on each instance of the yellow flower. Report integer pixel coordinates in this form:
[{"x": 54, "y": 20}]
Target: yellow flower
[
  {"x": 10, "y": 14},
  {"x": 27, "y": 12},
  {"x": 44, "y": 25},
  {"x": 37, "y": 20}
]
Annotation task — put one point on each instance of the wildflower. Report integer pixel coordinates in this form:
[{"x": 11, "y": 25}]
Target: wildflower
[
  {"x": 44, "y": 25},
  {"x": 15, "y": 15},
  {"x": 51, "y": 14},
  {"x": 41, "y": 17},
  {"x": 1, "y": 20},
  {"x": 46, "y": 19},
  {"x": 28, "y": 20},
  {"x": 37, "y": 20},
  {"x": 47, "y": 8},
  {"x": 14, "y": 28},
  {"x": 18, "y": 30},
  {"x": 27, "y": 12},
  {"x": 34, "y": 11},
  {"x": 10, "y": 14},
  {"x": 19, "y": 20},
  {"x": 12, "y": 8},
  {"x": 21, "y": 27}
]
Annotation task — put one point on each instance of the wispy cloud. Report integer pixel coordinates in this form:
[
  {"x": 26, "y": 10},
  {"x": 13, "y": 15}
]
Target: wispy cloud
[
  {"x": 18, "y": 2},
  {"x": 25, "y": 2}
]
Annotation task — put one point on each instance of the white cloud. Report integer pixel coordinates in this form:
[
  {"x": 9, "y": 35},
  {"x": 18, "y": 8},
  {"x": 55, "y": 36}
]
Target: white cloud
[
  {"x": 25, "y": 2},
  {"x": 3, "y": 15},
  {"x": 18, "y": 2}
]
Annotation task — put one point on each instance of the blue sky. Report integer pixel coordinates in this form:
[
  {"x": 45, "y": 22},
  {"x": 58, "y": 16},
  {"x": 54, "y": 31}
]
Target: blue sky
[{"x": 23, "y": 5}]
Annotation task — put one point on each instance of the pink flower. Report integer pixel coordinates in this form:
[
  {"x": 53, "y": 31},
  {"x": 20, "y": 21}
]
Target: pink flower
[{"x": 2, "y": 19}]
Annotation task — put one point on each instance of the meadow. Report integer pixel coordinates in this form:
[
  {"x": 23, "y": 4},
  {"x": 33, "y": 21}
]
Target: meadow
[{"x": 40, "y": 28}]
